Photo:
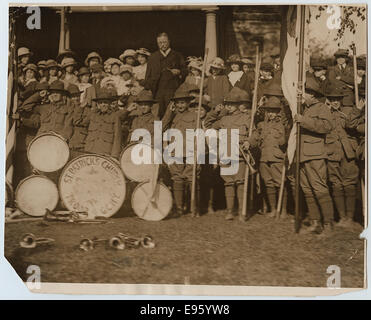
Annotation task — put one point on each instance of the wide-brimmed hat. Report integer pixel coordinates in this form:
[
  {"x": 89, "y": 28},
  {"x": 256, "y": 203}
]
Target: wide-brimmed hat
[
  {"x": 236, "y": 95},
  {"x": 83, "y": 70},
  {"x": 30, "y": 66},
  {"x": 234, "y": 59},
  {"x": 126, "y": 68},
  {"x": 41, "y": 64},
  {"x": 73, "y": 90},
  {"x": 204, "y": 103},
  {"x": 318, "y": 64},
  {"x": 92, "y": 55},
  {"x": 104, "y": 94},
  {"x": 52, "y": 64},
  {"x": 23, "y": 51},
  {"x": 40, "y": 86},
  {"x": 334, "y": 92},
  {"x": 266, "y": 66},
  {"x": 128, "y": 53},
  {"x": 65, "y": 53},
  {"x": 311, "y": 85},
  {"x": 145, "y": 96},
  {"x": 143, "y": 52},
  {"x": 181, "y": 94},
  {"x": 58, "y": 86},
  {"x": 217, "y": 63},
  {"x": 68, "y": 61},
  {"x": 196, "y": 65},
  {"x": 96, "y": 68},
  {"x": 247, "y": 61},
  {"x": 272, "y": 103},
  {"x": 342, "y": 53}
]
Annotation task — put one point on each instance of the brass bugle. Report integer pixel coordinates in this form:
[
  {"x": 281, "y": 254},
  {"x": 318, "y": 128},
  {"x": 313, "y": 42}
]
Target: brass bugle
[
  {"x": 147, "y": 242},
  {"x": 117, "y": 243},
  {"x": 29, "y": 241},
  {"x": 123, "y": 241},
  {"x": 89, "y": 244}
]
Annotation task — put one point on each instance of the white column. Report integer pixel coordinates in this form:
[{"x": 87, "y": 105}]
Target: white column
[{"x": 210, "y": 34}]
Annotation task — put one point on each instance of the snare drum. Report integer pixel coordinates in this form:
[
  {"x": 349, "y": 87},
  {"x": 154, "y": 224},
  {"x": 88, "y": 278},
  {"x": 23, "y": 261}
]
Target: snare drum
[
  {"x": 148, "y": 207},
  {"x": 36, "y": 193},
  {"x": 48, "y": 152},
  {"x": 138, "y": 172},
  {"x": 94, "y": 184}
]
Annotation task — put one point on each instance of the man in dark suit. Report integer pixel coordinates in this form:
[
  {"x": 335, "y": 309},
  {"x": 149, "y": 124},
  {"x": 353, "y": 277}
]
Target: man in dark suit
[{"x": 166, "y": 70}]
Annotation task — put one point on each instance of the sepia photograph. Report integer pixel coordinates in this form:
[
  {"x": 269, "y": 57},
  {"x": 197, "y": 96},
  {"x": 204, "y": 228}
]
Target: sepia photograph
[{"x": 189, "y": 145}]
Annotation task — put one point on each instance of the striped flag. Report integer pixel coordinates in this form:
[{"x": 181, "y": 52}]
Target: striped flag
[
  {"x": 290, "y": 67},
  {"x": 12, "y": 105}
]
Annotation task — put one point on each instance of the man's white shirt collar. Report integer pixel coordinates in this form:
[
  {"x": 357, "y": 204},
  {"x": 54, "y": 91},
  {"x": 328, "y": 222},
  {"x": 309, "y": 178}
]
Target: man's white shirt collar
[{"x": 166, "y": 52}]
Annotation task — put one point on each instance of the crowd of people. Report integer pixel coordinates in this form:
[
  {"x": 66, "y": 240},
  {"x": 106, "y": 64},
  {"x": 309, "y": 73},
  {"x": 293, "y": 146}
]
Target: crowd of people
[{"x": 97, "y": 107}]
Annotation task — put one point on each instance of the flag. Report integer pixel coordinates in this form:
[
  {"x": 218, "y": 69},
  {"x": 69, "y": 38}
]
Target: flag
[
  {"x": 290, "y": 67},
  {"x": 12, "y": 105}
]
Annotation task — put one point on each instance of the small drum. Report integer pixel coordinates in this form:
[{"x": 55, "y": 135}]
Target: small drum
[
  {"x": 48, "y": 152},
  {"x": 94, "y": 184},
  {"x": 138, "y": 172},
  {"x": 36, "y": 193},
  {"x": 148, "y": 207}
]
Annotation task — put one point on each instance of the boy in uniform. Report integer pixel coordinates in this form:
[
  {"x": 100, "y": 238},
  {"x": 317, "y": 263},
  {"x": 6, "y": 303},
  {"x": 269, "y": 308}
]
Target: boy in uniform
[
  {"x": 234, "y": 119},
  {"x": 178, "y": 116},
  {"x": 315, "y": 123}
]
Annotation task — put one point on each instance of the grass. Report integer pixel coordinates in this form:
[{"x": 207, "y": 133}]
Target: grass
[{"x": 206, "y": 250}]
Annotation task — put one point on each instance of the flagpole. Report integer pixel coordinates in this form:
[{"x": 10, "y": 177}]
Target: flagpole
[{"x": 300, "y": 8}]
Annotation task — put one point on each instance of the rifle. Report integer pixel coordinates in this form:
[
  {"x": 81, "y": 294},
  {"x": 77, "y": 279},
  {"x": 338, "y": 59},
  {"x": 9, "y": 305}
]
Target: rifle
[
  {"x": 194, "y": 178},
  {"x": 247, "y": 158}
]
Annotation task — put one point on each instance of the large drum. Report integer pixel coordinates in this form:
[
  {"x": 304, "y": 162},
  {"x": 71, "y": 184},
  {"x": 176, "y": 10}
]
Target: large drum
[
  {"x": 48, "y": 152},
  {"x": 36, "y": 193},
  {"x": 138, "y": 172},
  {"x": 94, "y": 184},
  {"x": 149, "y": 204}
]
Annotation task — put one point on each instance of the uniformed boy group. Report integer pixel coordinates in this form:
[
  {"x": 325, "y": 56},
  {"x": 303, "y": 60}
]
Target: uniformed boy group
[{"x": 97, "y": 107}]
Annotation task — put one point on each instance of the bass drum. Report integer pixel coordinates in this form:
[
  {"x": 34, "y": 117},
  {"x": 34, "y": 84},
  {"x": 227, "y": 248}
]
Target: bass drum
[
  {"x": 138, "y": 172},
  {"x": 48, "y": 152},
  {"x": 36, "y": 193},
  {"x": 148, "y": 207},
  {"x": 94, "y": 184}
]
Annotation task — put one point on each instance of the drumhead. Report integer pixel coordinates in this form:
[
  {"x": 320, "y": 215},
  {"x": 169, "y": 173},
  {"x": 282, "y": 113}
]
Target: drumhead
[
  {"x": 48, "y": 152},
  {"x": 138, "y": 172},
  {"x": 36, "y": 193},
  {"x": 154, "y": 210},
  {"x": 92, "y": 183}
]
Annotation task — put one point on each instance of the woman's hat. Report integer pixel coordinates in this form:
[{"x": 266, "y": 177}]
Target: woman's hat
[
  {"x": 247, "y": 61},
  {"x": 143, "y": 52},
  {"x": 234, "y": 59},
  {"x": 126, "y": 68},
  {"x": 82, "y": 71},
  {"x": 58, "y": 87},
  {"x": 342, "y": 53},
  {"x": 272, "y": 103},
  {"x": 92, "y": 55},
  {"x": 23, "y": 51},
  {"x": 128, "y": 53},
  {"x": 41, "y": 64},
  {"x": 112, "y": 61},
  {"x": 52, "y": 64},
  {"x": 30, "y": 66},
  {"x": 145, "y": 96},
  {"x": 196, "y": 65},
  {"x": 68, "y": 61},
  {"x": 65, "y": 53},
  {"x": 74, "y": 90},
  {"x": 217, "y": 63}
]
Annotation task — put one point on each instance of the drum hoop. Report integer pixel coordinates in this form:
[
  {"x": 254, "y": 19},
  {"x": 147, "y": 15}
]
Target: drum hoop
[
  {"x": 86, "y": 155},
  {"x": 122, "y": 153},
  {"x": 51, "y": 133},
  {"x": 28, "y": 178},
  {"x": 142, "y": 183}
]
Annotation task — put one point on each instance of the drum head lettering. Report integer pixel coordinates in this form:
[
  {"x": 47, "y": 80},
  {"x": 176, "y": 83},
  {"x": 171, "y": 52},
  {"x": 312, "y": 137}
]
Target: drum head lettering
[
  {"x": 149, "y": 204},
  {"x": 94, "y": 184},
  {"x": 48, "y": 153},
  {"x": 35, "y": 194}
]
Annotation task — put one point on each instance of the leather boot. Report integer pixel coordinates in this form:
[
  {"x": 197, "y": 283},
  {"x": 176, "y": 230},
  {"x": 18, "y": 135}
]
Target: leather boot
[
  {"x": 241, "y": 216},
  {"x": 272, "y": 200},
  {"x": 178, "y": 190},
  {"x": 350, "y": 201},
  {"x": 229, "y": 196},
  {"x": 339, "y": 200},
  {"x": 313, "y": 209},
  {"x": 327, "y": 208}
]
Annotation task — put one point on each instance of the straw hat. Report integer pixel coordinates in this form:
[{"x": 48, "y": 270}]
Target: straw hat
[
  {"x": 68, "y": 61},
  {"x": 143, "y": 52},
  {"x": 217, "y": 63},
  {"x": 23, "y": 51},
  {"x": 128, "y": 53},
  {"x": 92, "y": 55},
  {"x": 30, "y": 66},
  {"x": 52, "y": 64},
  {"x": 82, "y": 71}
]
